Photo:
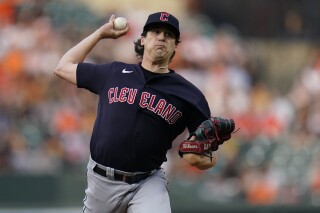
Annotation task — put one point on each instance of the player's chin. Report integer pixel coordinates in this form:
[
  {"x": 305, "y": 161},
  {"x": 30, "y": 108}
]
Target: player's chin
[
  {"x": 161, "y": 55},
  {"x": 161, "y": 51}
]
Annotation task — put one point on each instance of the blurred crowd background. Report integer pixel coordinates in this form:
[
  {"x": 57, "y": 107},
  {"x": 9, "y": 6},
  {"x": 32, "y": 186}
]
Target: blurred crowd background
[{"x": 256, "y": 61}]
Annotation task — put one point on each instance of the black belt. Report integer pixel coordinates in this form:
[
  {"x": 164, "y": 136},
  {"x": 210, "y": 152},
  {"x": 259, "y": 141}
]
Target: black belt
[{"x": 128, "y": 178}]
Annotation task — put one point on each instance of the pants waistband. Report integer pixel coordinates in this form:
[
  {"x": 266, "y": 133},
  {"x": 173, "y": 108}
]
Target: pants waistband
[{"x": 111, "y": 173}]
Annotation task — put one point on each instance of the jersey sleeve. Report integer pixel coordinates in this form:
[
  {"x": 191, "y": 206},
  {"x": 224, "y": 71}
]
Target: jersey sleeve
[
  {"x": 200, "y": 107},
  {"x": 92, "y": 76},
  {"x": 178, "y": 86},
  {"x": 200, "y": 113}
]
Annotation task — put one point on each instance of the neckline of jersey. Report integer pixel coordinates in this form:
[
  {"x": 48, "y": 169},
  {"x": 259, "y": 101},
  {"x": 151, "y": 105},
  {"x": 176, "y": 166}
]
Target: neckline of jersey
[{"x": 155, "y": 73}]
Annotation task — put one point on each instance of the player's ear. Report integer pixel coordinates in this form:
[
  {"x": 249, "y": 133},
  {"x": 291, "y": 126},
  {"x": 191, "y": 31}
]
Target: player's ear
[{"x": 142, "y": 40}]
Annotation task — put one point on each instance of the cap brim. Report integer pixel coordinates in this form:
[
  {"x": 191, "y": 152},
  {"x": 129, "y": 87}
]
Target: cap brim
[{"x": 169, "y": 26}]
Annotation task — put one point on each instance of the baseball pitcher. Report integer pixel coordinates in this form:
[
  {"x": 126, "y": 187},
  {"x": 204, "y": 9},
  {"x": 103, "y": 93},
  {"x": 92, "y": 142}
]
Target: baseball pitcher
[{"x": 142, "y": 108}]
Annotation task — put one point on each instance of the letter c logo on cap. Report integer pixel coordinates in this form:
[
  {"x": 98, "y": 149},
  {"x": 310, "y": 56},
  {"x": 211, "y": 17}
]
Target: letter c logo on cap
[{"x": 164, "y": 16}]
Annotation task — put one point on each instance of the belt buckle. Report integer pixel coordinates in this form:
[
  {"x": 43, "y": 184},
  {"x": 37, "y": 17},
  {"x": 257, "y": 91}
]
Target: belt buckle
[{"x": 124, "y": 178}]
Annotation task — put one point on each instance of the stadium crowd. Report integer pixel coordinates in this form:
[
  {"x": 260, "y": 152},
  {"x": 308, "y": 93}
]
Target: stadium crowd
[{"x": 45, "y": 124}]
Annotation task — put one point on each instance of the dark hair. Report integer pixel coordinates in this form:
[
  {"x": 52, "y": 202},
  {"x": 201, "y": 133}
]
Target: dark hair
[{"x": 139, "y": 49}]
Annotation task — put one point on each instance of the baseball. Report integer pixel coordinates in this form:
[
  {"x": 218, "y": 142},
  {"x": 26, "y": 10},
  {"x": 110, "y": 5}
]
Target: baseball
[{"x": 120, "y": 23}]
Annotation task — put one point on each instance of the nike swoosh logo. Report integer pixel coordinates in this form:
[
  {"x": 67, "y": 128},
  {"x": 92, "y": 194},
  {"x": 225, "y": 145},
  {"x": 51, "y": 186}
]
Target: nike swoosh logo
[{"x": 126, "y": 71}]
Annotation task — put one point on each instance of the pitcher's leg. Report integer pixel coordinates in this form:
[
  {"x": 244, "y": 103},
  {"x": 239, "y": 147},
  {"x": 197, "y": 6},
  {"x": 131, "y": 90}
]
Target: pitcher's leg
[
  {"x": 152, "y": 196},
  {"x": 104, "y": 195}
]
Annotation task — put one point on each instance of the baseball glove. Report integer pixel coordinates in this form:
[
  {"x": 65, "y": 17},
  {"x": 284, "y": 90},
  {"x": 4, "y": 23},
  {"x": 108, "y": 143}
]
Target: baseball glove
[{"x": 208, "y": 137}]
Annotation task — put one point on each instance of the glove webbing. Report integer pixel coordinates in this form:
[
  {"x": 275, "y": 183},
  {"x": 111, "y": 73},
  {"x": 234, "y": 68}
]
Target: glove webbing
[{"x": 206, "y": 132}]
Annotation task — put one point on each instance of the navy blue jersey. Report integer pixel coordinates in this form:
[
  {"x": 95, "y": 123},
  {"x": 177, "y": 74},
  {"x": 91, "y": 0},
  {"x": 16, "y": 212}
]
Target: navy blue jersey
[{"x": 139, "y": 113}]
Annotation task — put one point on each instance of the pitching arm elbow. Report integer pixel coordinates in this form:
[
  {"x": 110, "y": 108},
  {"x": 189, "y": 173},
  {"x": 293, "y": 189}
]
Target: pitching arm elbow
[{"x": 67, "y": 71}]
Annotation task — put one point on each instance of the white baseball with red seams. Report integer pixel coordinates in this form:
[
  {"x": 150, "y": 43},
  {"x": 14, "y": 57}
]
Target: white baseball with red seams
[{"x": 120, "y": 23}]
